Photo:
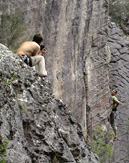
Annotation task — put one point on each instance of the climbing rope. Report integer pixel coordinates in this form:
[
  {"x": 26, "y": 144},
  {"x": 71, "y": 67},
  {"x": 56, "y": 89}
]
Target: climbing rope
[{"x": 91, "y": 117}]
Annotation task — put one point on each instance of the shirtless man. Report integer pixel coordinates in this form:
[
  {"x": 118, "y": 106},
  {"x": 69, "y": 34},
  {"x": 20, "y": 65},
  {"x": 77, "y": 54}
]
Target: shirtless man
[{"x": 31, "y": 54}]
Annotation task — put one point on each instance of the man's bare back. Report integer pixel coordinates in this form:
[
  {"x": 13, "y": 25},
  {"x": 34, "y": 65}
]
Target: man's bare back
[
  {"x": 29, "y": 48},
  {"x": 32, "y": 55}
]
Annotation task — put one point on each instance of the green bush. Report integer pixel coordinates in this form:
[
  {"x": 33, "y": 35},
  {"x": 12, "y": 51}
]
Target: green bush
[
  {"x": 3, "y": 145},
  {"x": 12, "y": 26},
  {"x": 119, "y": 11},
  {"x": 100, "y": 144}
]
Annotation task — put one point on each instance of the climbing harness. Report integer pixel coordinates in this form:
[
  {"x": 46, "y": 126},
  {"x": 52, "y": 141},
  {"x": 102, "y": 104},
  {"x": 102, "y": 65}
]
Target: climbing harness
[{"x": 26, "y": 59}]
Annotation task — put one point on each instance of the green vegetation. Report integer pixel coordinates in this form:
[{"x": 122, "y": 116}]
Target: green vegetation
[
  {"x": 56, "y": 157},
  {"x": 119, "y": 11},
  {"x": 100, "y": 144},
  {"x": 3, "y": 145},
  {"x": 12, "y": 26},
  {"x": 14, "y": 74},
  {"x": 8, "y": 81}
]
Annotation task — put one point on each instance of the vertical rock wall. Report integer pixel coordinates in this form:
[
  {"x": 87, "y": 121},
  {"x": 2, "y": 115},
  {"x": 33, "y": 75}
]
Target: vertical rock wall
[
  {"x": 75, "y": 34},
  {"x": 119, "y": 80},
  {"x": 96, "y": 64},
  {"x": 65, "y": 23}
]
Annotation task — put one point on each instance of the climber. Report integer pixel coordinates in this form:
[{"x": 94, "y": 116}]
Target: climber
[
  {"x": 32, "y": 54},
  {"x": 114, "y": 114}
]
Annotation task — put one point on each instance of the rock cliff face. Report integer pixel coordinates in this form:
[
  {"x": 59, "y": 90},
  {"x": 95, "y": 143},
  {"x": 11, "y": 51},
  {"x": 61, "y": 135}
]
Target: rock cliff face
[
  {"x": 78, "y": 63},
  {"x": 40, "y": 128},
  {"x": 75, "y": 34},
  {"x": 119, "y": 69}
]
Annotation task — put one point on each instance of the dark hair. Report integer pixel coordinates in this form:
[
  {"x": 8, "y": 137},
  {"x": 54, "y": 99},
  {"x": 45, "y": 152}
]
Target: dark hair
[
  {"x": 115, "y": 91},
  {"x": 38, "y": 38}
]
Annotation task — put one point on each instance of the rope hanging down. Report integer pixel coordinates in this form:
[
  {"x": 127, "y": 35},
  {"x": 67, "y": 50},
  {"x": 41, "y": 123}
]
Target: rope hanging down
[{"x": 91, "y": 117}]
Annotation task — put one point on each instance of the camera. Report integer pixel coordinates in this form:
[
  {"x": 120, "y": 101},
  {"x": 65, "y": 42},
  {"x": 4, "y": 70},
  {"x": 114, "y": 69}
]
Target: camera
[{"x": 42, "y": 47}]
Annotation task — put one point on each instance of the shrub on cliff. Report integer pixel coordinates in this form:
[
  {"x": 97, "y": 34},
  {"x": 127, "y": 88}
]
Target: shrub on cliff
[
  {"x": 100, "y": 144},
  {"x": 119, "y": 12},
  {"x": 12, "y": 26},
  {"x": 3, "y": 145}
]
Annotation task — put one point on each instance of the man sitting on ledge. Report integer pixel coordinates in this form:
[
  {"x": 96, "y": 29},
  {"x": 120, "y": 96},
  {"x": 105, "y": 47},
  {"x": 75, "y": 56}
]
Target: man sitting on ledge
[{"x": 32, "y": 55}]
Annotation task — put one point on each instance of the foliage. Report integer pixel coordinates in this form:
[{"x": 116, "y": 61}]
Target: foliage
[
  {"x": 119, "y": 11},
  {"x": 56, "y": 157},
  {"x": 3, "y": 145},
  {"x": 12, "y": 25},
  {"x": 8, "y": 81},
  {"x": 14, "y": 74},
  {"x": 100, "y": 144}
]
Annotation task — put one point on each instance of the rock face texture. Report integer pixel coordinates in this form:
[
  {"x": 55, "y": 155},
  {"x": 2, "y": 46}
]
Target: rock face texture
[
  {"x": 119, "y": 79},
  {"x": 40, "y": 128},
  {"x": 75, "y": 34},
  {"x": 78, "y": 62}
]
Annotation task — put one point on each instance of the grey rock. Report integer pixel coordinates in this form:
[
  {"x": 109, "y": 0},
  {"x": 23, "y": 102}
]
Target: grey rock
[
  {"x": 127, "y": 42},
  {"x": 74, "y": 32},
  {"x": 39, "y": 127},
  {"x": 119, "y": 79},
  {"x": 124, "y": 50}
]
